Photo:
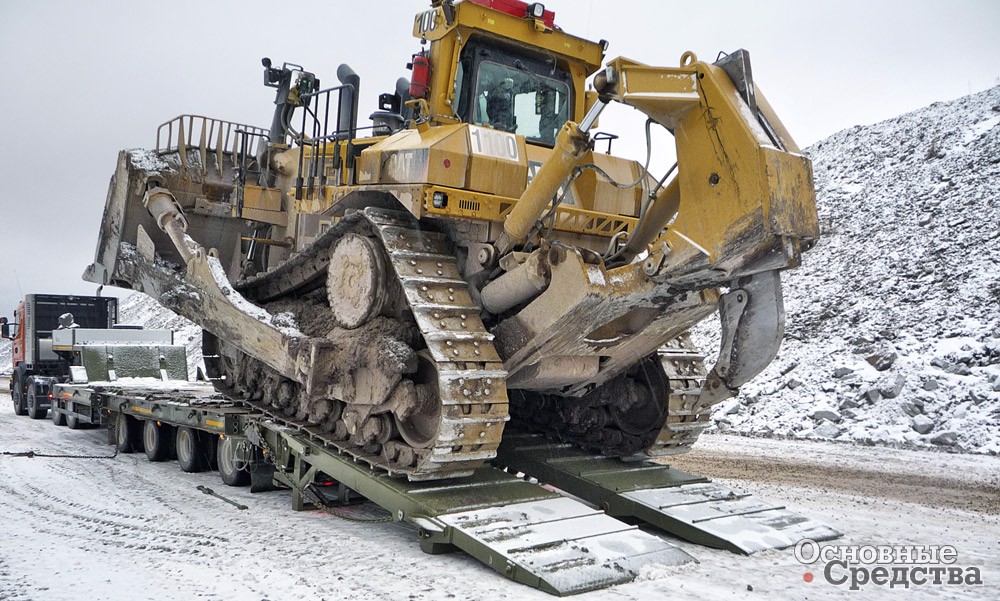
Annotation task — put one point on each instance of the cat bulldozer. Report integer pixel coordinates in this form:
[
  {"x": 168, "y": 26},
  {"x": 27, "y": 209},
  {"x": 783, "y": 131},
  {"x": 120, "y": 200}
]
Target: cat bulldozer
[{"x": 467, "y": 268}]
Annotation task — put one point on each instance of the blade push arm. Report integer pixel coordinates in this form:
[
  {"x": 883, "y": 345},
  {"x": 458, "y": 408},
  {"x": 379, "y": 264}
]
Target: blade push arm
[
  {"x": 743, "y": 201},
  {"x": 742, "y": 207}
]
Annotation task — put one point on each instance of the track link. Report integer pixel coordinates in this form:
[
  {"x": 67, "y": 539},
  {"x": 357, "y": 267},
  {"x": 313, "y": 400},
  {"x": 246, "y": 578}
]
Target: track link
[
  {"x": 686, "y": 417},
  {"x": 470, "y": 378}
]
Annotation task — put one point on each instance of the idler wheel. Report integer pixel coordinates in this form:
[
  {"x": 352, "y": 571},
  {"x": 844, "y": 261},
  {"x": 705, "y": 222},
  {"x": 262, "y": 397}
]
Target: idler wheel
[
  {"x": 645, "y": 409},
  {"x": 419, "y": 420},
  {"x": 356, "y": 281}
]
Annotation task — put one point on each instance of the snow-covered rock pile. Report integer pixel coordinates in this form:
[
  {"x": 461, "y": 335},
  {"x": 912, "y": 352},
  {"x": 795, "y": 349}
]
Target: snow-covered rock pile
[
  {"x": 6, "y": 359},
  {"x": 893, "y": 331}
]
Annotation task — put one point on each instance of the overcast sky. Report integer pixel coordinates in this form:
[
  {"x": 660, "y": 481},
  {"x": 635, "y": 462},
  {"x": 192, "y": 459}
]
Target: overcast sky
[{"x": 86, "y": 79}]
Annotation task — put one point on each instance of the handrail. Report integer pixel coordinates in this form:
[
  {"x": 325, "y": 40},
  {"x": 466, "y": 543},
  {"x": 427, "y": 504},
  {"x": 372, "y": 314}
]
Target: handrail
[
  {"x": 249, "y": 140},
  {"x": 215, "y": 136},
  {"x": 316, "y": 122}
]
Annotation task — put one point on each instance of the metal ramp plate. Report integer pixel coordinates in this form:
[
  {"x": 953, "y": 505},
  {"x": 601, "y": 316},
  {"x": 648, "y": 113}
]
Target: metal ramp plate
[
  {"x": 523, "y": 531},
  {"x": 685, "y": 505},
  {"x": 560, "y": 545},
  {"x": 746, "y": 524}
]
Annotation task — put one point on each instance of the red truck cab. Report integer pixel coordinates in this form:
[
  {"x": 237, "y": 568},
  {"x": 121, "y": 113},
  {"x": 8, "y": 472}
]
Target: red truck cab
[
  {"x": 35, "y": 363},
  {"x": 12, "y": 332}
]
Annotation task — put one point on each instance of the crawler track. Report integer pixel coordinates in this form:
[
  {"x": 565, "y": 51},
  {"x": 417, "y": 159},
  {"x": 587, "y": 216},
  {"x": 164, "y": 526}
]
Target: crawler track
[
  {"x": 686, "y": 417},
  {"x": 600, "y": 421},
  {"x": 466, "y": 374}
]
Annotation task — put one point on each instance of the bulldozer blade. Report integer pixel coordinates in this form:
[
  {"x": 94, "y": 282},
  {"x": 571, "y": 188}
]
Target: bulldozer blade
[{"x": 685, "y": 505}]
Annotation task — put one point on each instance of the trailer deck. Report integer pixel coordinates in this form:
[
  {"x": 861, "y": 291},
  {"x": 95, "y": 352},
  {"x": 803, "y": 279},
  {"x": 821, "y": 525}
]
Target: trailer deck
[{"x": 515, "y": 515}]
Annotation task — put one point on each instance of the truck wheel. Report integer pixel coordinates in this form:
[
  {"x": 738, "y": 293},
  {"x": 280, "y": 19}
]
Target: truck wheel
[
  {"x": 73, "y": 423},
  {"x": 190, "y": 450},
  {"x": 158, "y": 440},
  {"x": 17, "y": 394},
  {"x": 232, "y": 469},
  {"x": 128, "y": 433},
  {"x": 34, "y": 411},
  {"x": 58, "y": 418}
]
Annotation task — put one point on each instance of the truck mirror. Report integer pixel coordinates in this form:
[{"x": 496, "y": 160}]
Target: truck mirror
[
  {"x": 4, "y": 328},
  {"x": 9, "y": 330}
]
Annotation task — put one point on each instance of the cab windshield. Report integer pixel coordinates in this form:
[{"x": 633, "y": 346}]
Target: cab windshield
[
  {"x": 512, "y": 90},
  {"x": 519, "y": 101}
]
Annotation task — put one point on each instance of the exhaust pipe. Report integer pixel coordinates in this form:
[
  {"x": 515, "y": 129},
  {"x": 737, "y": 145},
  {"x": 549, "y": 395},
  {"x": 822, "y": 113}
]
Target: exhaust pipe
[{"x": 348, "y": 121}]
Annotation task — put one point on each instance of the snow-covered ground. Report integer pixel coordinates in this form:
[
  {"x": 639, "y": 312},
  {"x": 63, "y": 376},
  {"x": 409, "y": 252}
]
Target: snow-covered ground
[
  {"x": 124, "y": 528},
  {"x": 893, "y": 332}
]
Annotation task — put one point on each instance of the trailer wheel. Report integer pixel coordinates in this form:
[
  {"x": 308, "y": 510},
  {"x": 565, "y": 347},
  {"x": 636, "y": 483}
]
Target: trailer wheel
[
  {"x": 128, "y": 433},
  {"x": 34, "y": 411},
  {"x": 190, "y": 450},
  {"x": 58, "y": 418},
  {"x": 232, "y": 468},
  {"x": 17, "y": 394},
  {"x": 158, "y": 441}
]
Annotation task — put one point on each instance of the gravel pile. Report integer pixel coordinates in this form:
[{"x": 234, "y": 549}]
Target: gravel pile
[{"x": 893, "y": 332}]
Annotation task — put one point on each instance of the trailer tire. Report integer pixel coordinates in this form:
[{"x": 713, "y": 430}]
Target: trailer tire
[
  {"x": 58, "y": 418},
  {"x": 17, "y": 394},
  {"x": 158, "y": 441},
  {"x": 190, "y": 447},
  {"x": 73, "y": 423},
  {"x": 34, "y": 411},
  {"x": 232, "y": 469},
  {"x": 128, "y": 434}
]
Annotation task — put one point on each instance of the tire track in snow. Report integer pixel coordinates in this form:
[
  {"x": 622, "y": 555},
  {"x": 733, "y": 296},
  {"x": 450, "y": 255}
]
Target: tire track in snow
[{"x": 53, "y": 518}]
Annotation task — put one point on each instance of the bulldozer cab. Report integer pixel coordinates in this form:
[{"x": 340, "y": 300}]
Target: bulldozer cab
[
  {"x": 512, "y": 91},
  {"x": 503, "y": 64}
]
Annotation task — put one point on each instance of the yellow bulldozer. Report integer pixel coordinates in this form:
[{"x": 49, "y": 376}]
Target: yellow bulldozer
[{"x": 468, "y": 262}]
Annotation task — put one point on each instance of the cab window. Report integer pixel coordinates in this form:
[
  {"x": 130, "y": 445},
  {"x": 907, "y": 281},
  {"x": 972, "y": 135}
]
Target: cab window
[
  {"x": 519, "y": 101},
  {"x": 514, "y": 90}
]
